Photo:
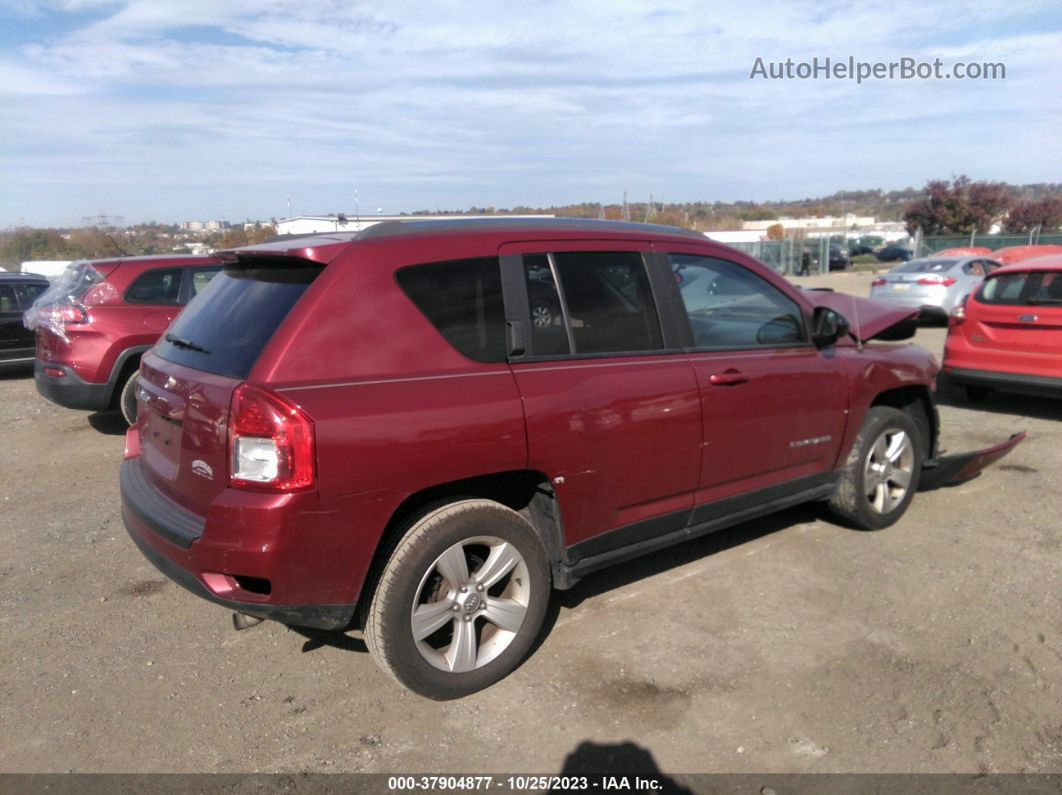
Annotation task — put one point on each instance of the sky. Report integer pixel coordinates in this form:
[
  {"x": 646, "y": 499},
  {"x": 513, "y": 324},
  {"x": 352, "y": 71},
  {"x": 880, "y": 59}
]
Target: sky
[{"x": 170, "y": 110}]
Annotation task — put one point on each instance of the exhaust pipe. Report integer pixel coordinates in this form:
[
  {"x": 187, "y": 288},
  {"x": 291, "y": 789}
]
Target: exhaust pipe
[{"x": 242, "y": 621}]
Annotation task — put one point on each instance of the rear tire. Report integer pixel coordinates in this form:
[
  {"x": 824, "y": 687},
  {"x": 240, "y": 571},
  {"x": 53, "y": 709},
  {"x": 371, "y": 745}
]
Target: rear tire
[
  {"x": 127, "y": 399},
  {"x": 460, "y": 601},
  {"x": 882, "y": 471}
]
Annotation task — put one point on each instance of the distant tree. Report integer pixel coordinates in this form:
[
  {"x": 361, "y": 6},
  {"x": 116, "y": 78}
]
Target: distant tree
[
  {"x": 1025, "y": 216},
  {"x": 958, "y": 207},
  {"x": 775, "y": 232}
]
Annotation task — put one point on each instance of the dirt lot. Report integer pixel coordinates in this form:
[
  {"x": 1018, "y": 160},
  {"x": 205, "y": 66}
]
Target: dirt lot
[{"x": 786, "y": 645}]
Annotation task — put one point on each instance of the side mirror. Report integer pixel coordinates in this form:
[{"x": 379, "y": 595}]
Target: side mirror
[{"x": 827, "y": 326}]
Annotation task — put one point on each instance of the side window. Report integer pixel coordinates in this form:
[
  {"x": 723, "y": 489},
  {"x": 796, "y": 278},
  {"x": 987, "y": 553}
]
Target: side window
[
  {"x": 731, "y": 307},
  {"x": 28, "y": 293},
  {"x": 463, "y": 300},
  {"x": 609, "y": 302},
  {"x": 201, "y": 278},
  {"x": 8, "y": 303},
  {"x": 975, "y": 268},
  {"x": 161, "y": 286},
  {"x": 549, "y": 336}
]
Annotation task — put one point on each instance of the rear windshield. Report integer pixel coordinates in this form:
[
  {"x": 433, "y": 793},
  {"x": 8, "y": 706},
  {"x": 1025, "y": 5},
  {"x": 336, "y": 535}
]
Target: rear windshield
[
  {"x": 1031, "y": 288},
  {"x": 224, "y": 328},
  {"x": 925, "y": 266}
]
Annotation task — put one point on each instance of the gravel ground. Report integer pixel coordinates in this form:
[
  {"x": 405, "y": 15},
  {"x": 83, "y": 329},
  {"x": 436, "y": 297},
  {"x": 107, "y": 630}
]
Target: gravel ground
[{"x": 784, "y": 645}]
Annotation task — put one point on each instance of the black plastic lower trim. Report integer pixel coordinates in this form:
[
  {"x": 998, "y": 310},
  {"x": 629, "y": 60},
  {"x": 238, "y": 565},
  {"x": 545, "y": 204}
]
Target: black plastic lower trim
[
  {"x": 1034, "y": 384},
  {"x": 318, "y": 616},
  {"x": 166, "y": 518},
  {"x": 71, "y": 391},
  {"x": 617, "y": 545}
]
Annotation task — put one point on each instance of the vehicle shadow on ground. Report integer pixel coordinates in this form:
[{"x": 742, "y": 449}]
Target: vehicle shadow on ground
[
  {"x": 672, "y": 557},
  {"x": 319, "y": 638},
  {"x": 1040, "y": 408},
  {"x": 111, "y": 423}
]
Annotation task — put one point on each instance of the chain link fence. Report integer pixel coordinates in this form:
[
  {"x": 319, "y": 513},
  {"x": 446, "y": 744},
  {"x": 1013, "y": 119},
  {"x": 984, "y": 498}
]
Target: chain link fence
[{"x": 786, "y": 256}]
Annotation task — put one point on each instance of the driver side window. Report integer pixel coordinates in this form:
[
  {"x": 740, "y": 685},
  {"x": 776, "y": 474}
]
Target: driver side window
[{"x": 731, "y": 307}]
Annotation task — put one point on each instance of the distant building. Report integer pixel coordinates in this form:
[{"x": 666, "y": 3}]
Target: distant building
[
  {"x": 309, "y": 224},
  {"x": 204, "y": 226}
]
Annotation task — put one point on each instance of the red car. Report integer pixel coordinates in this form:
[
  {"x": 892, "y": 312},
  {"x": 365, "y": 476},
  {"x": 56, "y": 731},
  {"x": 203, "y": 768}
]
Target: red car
[
  {"x": 1008, "y": 334},
  {"x": 376, "y": 430},
  {"x": 94, "y": 324}
]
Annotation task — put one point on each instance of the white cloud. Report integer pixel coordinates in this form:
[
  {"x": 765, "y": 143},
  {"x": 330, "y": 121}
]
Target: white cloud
[{"x": 503, "y": 103}]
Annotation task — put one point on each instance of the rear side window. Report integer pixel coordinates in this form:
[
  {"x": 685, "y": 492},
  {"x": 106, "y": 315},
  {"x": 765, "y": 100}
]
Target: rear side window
[
  {"x": 201, "y": 278},
  {"x": 463, "y": 300},
  {"x": 1033, "y": 288},
  {"x": 225, "y": 327},
  {"x": 161, "y": 286},
  {"x": 28, "y": 293}
]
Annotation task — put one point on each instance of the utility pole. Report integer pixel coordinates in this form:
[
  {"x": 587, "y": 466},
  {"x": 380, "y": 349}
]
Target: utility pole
[
  {"x": 289, "y": 206},
  {"x": 626, "y": 208}
]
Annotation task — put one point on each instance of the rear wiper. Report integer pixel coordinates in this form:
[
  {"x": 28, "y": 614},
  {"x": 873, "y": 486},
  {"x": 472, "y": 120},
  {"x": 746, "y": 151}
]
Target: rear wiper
[{"x": 187, "y": 344}]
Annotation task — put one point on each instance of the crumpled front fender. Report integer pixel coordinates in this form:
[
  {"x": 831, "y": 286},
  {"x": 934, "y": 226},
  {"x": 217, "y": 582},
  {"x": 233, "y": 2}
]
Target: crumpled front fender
[{"x": 950, "y": 470}]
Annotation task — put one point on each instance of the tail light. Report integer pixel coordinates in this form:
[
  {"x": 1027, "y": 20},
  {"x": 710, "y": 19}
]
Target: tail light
[
  {"x": 877, "y": 282},
  {"x": 958, "y": 314},
  {"x": 945, "y": 281},
  {"x": 71, "y": 313},
  {"x": 271, "y": 444}
]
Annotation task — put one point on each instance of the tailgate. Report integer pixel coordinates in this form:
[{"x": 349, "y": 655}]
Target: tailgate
[{"x": 182, "y": 421}]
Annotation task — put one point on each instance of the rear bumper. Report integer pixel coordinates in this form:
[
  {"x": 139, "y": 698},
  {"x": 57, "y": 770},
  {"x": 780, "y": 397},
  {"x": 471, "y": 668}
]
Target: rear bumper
[
  {"x": 215, "y": 559},
  {"x": 1032, "y": 384},
  {"x": 71, "y": 390}
]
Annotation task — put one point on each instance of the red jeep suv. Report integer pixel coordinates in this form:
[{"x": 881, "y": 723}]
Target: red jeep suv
[
  {"x": 98, "y": 319},
  {"x": 376, "y": 429}
]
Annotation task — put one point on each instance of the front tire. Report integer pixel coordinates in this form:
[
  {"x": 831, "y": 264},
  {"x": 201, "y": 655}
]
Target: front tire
[
  {"x": 882, "y": 471},
  {"x": 461, "y": 600}
]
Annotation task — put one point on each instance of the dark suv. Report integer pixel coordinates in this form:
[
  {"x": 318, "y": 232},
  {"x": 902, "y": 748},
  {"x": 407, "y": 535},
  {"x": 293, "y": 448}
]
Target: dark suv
[
  {"x": 377, "y": 430},
  {"x": 18, "y": 291},
  {"x": 100, "y": 316}
]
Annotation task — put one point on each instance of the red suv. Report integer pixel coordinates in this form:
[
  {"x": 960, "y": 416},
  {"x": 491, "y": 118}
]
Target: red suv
[
  {"x": 376, "y": 429},
  {"x": 1008, "y": 334},
  {"x": 98, "y": 319}
]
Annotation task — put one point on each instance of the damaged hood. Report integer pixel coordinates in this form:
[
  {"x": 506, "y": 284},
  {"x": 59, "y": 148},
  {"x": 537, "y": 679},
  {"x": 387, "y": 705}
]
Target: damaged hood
[{"x": 869, "y": 319}]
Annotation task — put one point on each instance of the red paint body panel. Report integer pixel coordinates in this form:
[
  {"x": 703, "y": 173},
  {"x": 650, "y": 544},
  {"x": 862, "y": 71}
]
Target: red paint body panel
[
  {"x": 1013, "y": 254},
  {"x": 1010, "y": 339},
  {"x": 396, "y": 409}
]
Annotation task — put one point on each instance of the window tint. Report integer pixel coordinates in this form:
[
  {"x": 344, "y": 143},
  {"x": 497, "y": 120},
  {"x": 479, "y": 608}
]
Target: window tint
[
  {"x": 1036, "y": 288},
  {"x": 232, "y": 319},
  {"x": 201, "y": 278},
  {"x": 609, "y": 302},
  {"x": 549, "y": 335},
  {"x": 8, "y": 303},
  {"x": 28, "y": 293},
  {"x": 463, "y": 300},
  {"x": 925, "y": 266},
  {"x": 162, "y": 286},
  {"x": 731, "y": 307}
]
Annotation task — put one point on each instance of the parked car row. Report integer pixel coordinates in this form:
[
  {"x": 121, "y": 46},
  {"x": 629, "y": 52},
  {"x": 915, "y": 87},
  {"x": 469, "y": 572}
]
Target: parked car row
[{"x": 422, "y": 429}]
